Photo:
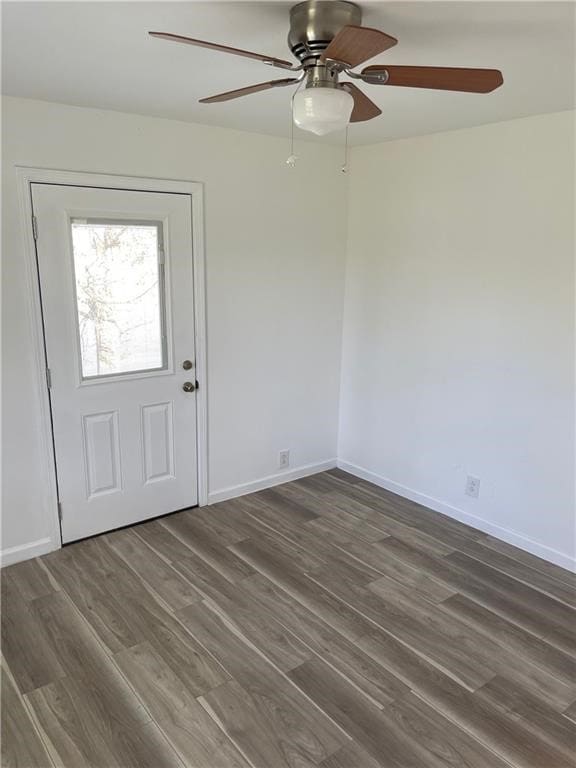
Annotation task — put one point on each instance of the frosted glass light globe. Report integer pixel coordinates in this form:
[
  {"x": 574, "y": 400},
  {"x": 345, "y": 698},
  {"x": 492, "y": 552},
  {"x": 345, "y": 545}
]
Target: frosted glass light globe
[{"x": 322, "y": 110}]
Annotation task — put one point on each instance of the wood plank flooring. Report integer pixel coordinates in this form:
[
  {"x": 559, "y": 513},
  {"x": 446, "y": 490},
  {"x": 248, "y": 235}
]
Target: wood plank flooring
[{"x": 324, "y": 622}]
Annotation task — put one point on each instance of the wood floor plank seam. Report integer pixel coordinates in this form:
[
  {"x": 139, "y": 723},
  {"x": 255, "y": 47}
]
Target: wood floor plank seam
[
  {"x": 386, "y": 571},
  {"x": 532, "y": 561},
  {"x": 37, "y": 730},
  {"x": 280, "y": 672},
  {"x": 546, "y": 666},
  {"x": 326, "y": 549},
  {"x": 314, "y": 654},
  {"x": 403, "y": 511},
  {"x": 336, "y": 725},
  {"x": 466, "y": 584},
  {"x": 525, "y": 575},
  {"x": 162, "y": 728},
  {"x": 98, "y": 639},
  {"x": 155, "y": 592},
  {"x": 203, "y": 550},
  {"x": 263, "y": 682},
  {"x": 559, "y": 613},
  {"x": 489, "y": 651},
  {"x": 127, "y": 681},
  {"x": 462, "y": 727},
  {"x": 518, "y": 703},
  {"x": 104, "y": 650},
  {"x": 474, "y": 545},
  {"x": 336, "y": 645},
  {"x": 514, "y": 744},
  {"x": 403, "y": 641},
  {"x": 375, "y": 624},
  {"x": 238, "y": 632},
  {"x": 212, "y": 714},
  {"x": 301, "y": 589},
  {"x": 395, "y": 499},
  {"x": 165, "y": 728}
]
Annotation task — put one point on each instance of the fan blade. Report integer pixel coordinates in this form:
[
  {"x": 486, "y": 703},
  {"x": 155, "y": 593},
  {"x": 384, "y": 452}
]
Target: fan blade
[
  {"x": 248, "y": 90},
  {"x": 271, "y": 60},
  {"x": 354, "y": 45},
  {"x": 364, "y": 108},
  {"x": 440, "y": 78}
]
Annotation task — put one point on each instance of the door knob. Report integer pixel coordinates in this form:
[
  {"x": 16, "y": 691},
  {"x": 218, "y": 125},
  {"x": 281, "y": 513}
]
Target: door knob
[
  {"x": 188, "y": 386},
  {"x": 187, "y": 364}
]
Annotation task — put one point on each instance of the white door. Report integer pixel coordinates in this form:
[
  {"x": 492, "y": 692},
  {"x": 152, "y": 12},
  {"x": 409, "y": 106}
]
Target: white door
[{"x": 116, "y": 279}]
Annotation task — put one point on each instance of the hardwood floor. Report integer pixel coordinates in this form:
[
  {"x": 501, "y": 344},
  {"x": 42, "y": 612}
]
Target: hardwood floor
[{"x": 324, "y": 622}]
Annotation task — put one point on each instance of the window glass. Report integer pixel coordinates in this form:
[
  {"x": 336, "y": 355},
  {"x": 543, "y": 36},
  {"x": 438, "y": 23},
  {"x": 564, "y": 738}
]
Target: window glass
[{"x": 119, "y": 296}]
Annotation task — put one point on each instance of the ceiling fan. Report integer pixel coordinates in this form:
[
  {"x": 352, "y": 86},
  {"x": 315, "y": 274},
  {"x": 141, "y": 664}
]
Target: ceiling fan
[{"x": 327, "y": 38}]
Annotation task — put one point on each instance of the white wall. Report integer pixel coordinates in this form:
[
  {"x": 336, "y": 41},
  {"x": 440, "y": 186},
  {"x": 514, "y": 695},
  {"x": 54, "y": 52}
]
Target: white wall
[
  {"x": 459, "y": 326},
  {"x": 274, "y": 290}
]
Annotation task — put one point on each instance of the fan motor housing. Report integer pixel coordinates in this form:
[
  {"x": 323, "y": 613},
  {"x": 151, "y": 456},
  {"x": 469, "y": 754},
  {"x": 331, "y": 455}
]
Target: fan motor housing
[{"x": 314, "y": 23}]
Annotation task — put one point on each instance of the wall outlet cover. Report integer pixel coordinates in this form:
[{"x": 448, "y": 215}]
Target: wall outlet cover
[
  {"x": 472, "y": 486},
  {"x": 284, "y": 459}
]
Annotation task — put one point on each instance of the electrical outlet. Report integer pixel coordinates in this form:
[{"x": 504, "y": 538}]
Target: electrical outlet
[
  {"x": 472, "y": 486},
  {"x": 284, "y": 459}
]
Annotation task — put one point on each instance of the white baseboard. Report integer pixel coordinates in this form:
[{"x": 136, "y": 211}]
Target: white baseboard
[
  {"x": 43, "y": 546},
  {"x": 27, "y": 551},
  {"x": 268, "y": 482},
  {"x": 505, "y": 534}
]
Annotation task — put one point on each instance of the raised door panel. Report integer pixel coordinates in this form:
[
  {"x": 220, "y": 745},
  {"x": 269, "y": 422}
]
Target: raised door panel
[
  {"x": 158, "y": 441},
  {"x": 102, "y": 453}
]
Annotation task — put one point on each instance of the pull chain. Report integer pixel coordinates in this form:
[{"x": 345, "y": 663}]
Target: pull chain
[
  {"x": 291, "y": 160},
  {"x": 344, "y": 168}
]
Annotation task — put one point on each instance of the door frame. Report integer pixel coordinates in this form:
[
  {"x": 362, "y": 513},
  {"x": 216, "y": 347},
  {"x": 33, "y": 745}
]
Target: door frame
[{"x": 28, "y": 176}]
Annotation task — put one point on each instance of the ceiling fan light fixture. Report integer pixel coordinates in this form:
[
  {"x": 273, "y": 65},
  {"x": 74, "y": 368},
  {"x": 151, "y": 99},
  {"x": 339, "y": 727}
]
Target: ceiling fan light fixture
[
  {"x": 327, "y": 38},
  {"x": 322, "y": 110}
]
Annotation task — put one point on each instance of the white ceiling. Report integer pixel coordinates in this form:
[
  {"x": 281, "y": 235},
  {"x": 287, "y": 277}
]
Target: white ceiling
[{"x": 98, "y": 54}]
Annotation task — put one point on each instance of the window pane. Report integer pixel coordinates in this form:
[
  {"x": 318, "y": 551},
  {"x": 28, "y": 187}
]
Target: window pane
[{"x": 118, "y": 296}]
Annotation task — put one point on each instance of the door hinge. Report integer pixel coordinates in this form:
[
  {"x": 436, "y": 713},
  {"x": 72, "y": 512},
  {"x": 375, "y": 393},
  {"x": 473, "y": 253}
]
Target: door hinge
[
  {"x": 48, "y": 378},
  {"x": 60, "y": 511},
  {"x": 35, "y": 227},
  {"x": 161, "y": 257}
]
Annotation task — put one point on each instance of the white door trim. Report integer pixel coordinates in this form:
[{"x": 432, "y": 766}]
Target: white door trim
[{"x": 26, "y": 177}]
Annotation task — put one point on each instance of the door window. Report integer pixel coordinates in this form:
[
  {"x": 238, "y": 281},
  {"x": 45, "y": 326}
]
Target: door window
[{"x": 120, "y": 306}]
